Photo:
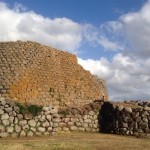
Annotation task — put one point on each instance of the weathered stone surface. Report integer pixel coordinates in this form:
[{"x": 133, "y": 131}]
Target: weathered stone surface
[
  {"x": 46, "y": 124},
  {"x": 25, "y": 127},
  {"x": 2, "y": 128},
  {"x": 73, "y": 128},
  {"x": 14, "y": 135},
  {"x": 32, "y": 123},
  {"x": 128, "y": 109},
  {"x": 120, "y": 108},
  {"x": 87, "y": 120},
  {"x": 62, "y": 124},
  {"x": 23, "y": 122},
  {"x": 65, "y": 129},
  {"x": 20, "y": 116},
  {"x": 10, "y": 129},
  {"x": 28, "y": 116},
  {"x": 55, "y": 125},
  {"x": 1, "y": 111},
  {"x": 9, "y": 109},
  {"x": 147, "y": 108},
  {"x": 91, "y": 113},
  {"x": 41, "y": 129},
  {"x": 38, "y": 133},
  {"x": 4, "y": 134},
  {"x": 11, "y": 119},
  {"x": 45, "y": 108},
  {"x": 33, "y": 129},
  {"x": 53, "y": 111},
  {"x": 16, "y": 120},
  {"x": 49, "y": 117},
  {"x": 30, "y": 134},
  {"x": 17, "y": 128},
  {"x": 4, "y": 116},
  {"x": 56, "y": 120},
  {"x": 5, "y": 122},
  {"x": 81, "y": 129},
  {"x": 46, "y": 133},
  {"x": 70, "y": 124},
  {"x": 22, "y": 133},
  {"x": 49, "y": 129},
  {"x": 3, "y": 102}
]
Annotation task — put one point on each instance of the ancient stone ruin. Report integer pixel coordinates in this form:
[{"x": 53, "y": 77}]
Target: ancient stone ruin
[
  {"x": 38, "y": 74},
  {"x": 98, "y": 116}
]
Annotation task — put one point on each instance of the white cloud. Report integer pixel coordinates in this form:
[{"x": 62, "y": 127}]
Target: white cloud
[
  {"x": 19, "y": 24},
  {"x": 126, "y": 78},
  {"x": 127, "y": 75},
  {"x": 109, "y": 45},
  {"x": 137, "y": 30},
  {"x": 133, "y": 29},
  {"x": 97, "y": 37}
]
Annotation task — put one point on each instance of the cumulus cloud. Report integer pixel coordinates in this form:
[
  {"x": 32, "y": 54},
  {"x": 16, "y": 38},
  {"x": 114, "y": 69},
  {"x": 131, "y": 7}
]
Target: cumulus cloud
[
  {"x": 134, "y": 27},
  {"x": 19, "y": 24},
  {"x": 127, "y": 74},
  {"x": 97, "y": 36},
  {"x": 126, "y": 78}
]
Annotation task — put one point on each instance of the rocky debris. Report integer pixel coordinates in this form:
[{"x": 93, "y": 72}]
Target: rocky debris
[{"x": 138, "y": 103}]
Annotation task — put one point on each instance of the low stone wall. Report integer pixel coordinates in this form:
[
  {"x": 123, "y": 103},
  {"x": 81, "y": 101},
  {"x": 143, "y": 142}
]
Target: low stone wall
[
  {"x": 123, "y": 120},
  {"x": 98, "y": 116},
  {"x": 48, "y": 122}
]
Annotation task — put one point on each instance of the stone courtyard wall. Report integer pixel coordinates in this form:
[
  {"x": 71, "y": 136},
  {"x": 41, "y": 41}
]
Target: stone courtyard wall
[
  {"x": 125, "y": 120},
  {"x": 38, "y": 74},
  {"x": 49, "y": 121},
  {"x": 98, "y": 116}
]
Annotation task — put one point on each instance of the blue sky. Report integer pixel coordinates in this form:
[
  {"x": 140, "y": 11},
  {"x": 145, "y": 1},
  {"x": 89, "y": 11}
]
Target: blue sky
[
  {"x": 111, "y": 38},
  {"x": 95, "y": 12}
]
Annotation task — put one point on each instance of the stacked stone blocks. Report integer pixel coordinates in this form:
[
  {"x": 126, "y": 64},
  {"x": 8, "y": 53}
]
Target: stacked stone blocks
[{"x": 38, "y": 74}]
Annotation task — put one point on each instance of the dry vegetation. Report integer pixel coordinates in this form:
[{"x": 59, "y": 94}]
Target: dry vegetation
[{"x": 77, "y": 141}]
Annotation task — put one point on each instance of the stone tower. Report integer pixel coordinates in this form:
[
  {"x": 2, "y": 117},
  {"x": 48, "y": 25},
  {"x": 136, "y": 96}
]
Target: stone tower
[{"x": 38, "y": 74}]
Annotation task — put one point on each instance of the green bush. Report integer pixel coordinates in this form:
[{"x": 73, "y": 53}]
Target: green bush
[
  {"x": 32, "y": 109},
  {"x": 22, "y": 108},
  {"x": 63, "y": 112}
]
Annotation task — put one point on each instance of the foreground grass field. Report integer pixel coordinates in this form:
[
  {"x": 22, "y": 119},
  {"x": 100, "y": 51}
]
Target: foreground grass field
[{"x": 76, "y": 141}]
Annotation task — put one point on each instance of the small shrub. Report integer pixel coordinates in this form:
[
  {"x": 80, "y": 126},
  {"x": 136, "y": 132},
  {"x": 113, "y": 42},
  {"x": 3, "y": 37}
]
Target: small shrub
[
  {"x": 22, "y": 108},
  {"x": 34, "y": 109},
  {"x": 63, "y": 112}
]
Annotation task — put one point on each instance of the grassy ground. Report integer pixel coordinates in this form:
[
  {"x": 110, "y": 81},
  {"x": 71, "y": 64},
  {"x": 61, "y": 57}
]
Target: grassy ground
[{"x": 76, "y": 141}]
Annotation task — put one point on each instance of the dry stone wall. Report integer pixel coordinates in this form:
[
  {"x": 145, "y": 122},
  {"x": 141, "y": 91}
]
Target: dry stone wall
[
  {"x": 38, "y": 74},
  {"x": 97, "y": 116},
  {"x": 124, "y": 120},
  {"x": 49, "y": 121}
]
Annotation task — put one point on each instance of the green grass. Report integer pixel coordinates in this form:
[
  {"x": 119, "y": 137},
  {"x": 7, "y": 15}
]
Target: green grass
[{"x": 76, "y": 141}]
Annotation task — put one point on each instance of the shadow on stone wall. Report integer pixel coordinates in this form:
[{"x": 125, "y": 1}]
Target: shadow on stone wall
[{"x": 106, "y": 118}]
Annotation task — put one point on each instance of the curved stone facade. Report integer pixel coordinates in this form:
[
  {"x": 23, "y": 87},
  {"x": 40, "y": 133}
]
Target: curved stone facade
[{"x": 38, "y": 74}]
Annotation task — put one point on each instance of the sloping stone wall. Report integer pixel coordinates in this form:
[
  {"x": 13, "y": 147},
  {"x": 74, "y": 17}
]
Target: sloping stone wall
[{"x": 38, "y": 74}]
